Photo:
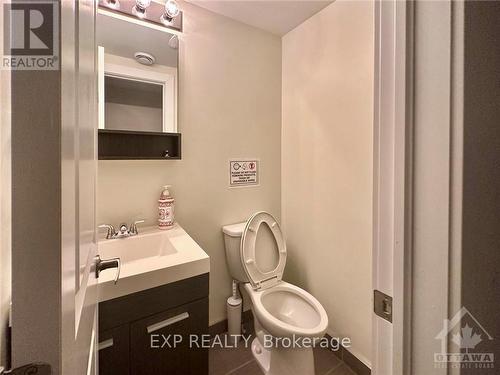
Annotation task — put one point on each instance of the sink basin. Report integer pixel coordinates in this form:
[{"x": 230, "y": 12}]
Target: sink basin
[
  {"x": 152, "y": 258},
  {"x": 149, "y": 244}
]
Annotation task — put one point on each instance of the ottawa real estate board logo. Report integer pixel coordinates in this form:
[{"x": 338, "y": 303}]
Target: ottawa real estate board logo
[
  {"x": 464, "y": 343},
  {"x": 30, "y": 35}
]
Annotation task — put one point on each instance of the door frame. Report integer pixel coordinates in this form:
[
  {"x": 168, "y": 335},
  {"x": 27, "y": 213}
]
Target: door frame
[
  {"x": 392, "y": 183},
  {"x": 418, "y": 187}
]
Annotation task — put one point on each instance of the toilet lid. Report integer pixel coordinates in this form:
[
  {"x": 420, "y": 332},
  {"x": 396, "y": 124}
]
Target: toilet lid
[{"x": 258, "y": 278}]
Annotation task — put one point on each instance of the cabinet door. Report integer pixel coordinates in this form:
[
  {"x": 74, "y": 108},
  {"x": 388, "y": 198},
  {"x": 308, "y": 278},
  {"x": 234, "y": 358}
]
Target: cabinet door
[
  {"x": 114, "y": 347},
  {"x": 153, "y": 351}
]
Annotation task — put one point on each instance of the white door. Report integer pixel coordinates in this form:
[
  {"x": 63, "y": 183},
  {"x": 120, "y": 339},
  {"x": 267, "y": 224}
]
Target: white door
[{"x": 79, "y": 168}]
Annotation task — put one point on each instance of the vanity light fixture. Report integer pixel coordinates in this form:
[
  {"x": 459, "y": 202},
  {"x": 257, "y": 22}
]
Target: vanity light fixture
[
  {"x": 112, "y": 4},
  {"x": 140, "y": 7},
  {"x": 166, "y": 14},
  {"x": 171, "y": 11}
]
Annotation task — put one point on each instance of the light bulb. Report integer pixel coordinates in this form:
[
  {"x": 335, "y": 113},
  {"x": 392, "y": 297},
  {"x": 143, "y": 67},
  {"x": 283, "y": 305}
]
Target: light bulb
[
  {"x": 112, "y": 4},
  {"x": 171, "y": 9},
  {"x": 139, "y": 9},
  {"x": 142, "y": 4}
]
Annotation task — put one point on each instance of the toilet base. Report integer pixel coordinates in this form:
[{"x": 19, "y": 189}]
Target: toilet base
[{"x": 283, "y": 361}]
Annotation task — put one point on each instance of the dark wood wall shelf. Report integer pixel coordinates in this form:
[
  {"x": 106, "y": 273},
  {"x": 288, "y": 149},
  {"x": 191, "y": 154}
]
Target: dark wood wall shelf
[{"x": 135, "y": 145}]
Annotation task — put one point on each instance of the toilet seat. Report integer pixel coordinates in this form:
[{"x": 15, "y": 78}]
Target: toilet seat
[{"x": 258, "y": 279}]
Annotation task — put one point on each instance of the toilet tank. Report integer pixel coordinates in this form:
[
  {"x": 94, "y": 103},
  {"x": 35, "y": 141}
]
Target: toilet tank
[{"x": 232, "y": 241}]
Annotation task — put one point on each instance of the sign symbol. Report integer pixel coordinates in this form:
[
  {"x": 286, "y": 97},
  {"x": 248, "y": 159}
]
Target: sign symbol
[
  {"x": 28, "y": 29},
  {"x": 243, "y": 173},
  {"x": 36, "y": 21}
]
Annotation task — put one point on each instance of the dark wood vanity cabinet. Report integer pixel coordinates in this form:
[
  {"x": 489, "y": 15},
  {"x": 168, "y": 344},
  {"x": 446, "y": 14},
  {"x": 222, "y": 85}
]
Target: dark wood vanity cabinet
[
  {"x": 114, "y": 347},
  {"x": 149, "y": 332}
]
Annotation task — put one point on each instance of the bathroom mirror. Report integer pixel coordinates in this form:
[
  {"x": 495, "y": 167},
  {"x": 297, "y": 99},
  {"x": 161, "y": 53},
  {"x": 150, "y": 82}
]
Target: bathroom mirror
[{"x": 138, "y": 76}]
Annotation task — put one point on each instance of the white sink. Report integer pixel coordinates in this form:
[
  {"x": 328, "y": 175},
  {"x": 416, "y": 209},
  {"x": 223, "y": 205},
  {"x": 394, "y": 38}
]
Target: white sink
[
  {"x": 150, "y": 243},
  {"x": 152, "y": 258}
]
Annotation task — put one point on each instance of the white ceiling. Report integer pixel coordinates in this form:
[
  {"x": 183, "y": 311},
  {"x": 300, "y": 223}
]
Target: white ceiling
[{"x": 277, "y": 17}]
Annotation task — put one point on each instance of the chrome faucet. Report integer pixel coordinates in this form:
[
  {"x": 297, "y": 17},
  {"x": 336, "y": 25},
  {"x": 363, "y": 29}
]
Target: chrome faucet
[
  {"x": 110, "y": 230},
  {"x": 123, "y": 231},
  {"x": 133, "y": 227}
]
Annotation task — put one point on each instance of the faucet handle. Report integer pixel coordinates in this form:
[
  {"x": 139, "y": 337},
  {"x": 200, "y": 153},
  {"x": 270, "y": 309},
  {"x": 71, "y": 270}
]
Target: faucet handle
[
  {"x": 110, "y": 230},
  {"x": 133, "y": 227}
]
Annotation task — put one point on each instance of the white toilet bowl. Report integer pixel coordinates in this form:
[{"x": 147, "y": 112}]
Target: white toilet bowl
[
  {"x": 286, "y": 310},
  {"x": 288, "y": 320}
]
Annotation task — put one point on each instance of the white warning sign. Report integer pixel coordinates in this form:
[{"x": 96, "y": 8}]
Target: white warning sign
[{"x": 243, "y": 172}]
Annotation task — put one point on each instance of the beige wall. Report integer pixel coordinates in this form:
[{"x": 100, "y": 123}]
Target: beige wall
[
  {"x": 327, "y": 164},
  {"x": 5, "y": 216},
  {"x": 5, "y": 205},
  {"x": 229, "y": 106},
  {"x": 5, "y": 212}
]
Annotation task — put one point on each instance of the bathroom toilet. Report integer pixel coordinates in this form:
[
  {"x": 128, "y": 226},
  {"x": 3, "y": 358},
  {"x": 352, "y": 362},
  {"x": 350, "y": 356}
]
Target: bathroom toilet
[{"x": 288, "y": 320}]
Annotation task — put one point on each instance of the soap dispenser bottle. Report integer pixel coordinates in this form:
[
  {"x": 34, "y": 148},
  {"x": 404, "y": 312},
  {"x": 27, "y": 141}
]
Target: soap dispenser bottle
[{"x": 166, "y": 209}]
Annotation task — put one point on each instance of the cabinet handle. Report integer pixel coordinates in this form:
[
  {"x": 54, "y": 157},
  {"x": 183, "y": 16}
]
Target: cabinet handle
[
  {"x": 167, "y": 322},
  {"x": 105, "y": 344}
]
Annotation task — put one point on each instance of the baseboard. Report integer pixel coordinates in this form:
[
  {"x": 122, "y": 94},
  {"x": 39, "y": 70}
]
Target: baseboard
[
  {"x": 349, "y": 359},
  {"x": 221, "y": 327},
  {"x": 342, "y": 353}
]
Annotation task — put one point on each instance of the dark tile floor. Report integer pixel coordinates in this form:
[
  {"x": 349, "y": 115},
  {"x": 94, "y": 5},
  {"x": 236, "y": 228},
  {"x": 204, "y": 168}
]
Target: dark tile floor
[{"x": 240, "y": 361}]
